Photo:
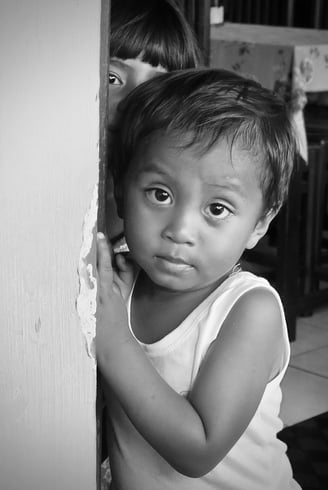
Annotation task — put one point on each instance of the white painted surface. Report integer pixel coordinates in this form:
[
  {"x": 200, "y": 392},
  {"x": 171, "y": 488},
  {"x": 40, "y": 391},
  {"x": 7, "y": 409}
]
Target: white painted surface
[{"x": 49, "y": 82}]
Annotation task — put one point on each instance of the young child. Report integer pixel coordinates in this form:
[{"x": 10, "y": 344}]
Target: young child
[
  {"x": 147, "y": 38},
  {"x": 192, "y": 349}
]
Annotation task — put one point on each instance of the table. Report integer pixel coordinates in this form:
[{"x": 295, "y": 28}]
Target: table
[{"x": 292, "y": 61}]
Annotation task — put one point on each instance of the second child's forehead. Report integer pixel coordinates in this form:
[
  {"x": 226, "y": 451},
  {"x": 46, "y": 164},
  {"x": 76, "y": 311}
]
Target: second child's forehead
[{"x": 136, "y": 65}]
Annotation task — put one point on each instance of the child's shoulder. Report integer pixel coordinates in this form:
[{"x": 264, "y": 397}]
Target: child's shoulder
[
  {"x": 242, "y": 282},
  {"x": 252, "y": 292},
  {"x": 250, "y": 299}
]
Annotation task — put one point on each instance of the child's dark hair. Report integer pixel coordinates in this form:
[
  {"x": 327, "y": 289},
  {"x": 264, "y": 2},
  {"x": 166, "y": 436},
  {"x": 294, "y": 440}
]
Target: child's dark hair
[
  {"x": 200, "y": 107},
  {"x": 156, "y": 30}
]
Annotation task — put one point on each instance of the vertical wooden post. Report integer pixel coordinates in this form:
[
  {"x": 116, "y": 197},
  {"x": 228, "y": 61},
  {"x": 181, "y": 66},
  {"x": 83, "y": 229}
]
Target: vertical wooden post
[
  {"x": 103, "y": 171},
  {"x": 197, "y": 13},
  {"x": 103, "y": 108},
  {"x": 202, "y": 27}
]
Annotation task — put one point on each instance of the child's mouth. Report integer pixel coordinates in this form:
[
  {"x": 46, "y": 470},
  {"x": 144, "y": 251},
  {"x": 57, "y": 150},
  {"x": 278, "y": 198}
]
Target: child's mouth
[{"x": 173, "y": 264}]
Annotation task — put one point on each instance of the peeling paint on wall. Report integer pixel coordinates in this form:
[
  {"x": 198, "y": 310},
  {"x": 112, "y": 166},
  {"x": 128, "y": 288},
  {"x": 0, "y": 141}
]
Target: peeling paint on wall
[{"x": 86, "y": 302}]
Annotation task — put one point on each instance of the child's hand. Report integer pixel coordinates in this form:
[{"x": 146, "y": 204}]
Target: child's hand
[{"x": 114, "y": 286}]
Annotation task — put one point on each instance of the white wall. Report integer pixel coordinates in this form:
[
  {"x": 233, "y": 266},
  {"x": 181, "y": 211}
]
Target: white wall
[{"x": 49, "y": 83}]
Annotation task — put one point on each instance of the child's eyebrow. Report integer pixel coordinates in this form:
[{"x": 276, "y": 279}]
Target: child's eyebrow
[
  {"x": 231, "y": 186},
  {"x": 152, "y": 168}
]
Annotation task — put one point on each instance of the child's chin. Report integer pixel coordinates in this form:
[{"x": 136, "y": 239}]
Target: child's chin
[{"x": 172, "y": 282}]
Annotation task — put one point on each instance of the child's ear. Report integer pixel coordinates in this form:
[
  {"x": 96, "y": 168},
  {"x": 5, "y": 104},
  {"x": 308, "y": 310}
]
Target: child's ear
[{"x": 260, "y": 229}]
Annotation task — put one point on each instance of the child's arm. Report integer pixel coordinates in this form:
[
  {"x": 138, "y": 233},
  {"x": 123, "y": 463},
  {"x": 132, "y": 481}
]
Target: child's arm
[{"x": 192, "y": 434}]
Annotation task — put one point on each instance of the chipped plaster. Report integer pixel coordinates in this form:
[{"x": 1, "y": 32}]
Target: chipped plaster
[{"x": 86, "y": 302}]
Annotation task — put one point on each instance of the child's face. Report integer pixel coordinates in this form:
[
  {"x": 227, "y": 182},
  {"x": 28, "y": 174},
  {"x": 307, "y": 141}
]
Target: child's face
[
  {"x": 188, "y": 217},
  {"x": 124, "y": 76}
]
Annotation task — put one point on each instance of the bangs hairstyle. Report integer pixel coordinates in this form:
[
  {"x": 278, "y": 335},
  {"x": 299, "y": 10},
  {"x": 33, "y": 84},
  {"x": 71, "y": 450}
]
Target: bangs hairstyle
[
  {"x": 155, "y": 29},
  {"x": 202, "y": 106}
]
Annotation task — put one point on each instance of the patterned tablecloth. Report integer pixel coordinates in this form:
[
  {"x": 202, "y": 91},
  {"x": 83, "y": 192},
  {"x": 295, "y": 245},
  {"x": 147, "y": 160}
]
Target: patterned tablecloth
[{"x": 289, "y": 60}]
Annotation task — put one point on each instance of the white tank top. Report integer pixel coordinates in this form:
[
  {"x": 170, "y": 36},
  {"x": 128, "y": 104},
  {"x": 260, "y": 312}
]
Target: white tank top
[{"x": 258, "y": 460}]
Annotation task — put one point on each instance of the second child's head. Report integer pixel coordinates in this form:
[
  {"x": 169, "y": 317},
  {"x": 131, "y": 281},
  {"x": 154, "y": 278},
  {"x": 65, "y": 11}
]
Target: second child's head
[
  {"x": 147, "y": 37},
  {"x": 202, "y": 166}
]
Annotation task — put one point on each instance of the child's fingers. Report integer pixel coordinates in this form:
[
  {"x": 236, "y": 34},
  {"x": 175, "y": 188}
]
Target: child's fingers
[{"x": 105, "y": 269}]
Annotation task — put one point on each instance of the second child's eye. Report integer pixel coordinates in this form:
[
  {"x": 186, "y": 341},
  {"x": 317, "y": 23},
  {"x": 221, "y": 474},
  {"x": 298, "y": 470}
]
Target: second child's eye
[
  {"x": 114, "y": 79},
  {"x": 159, "y": 196},
  {"x": 218, "y": 211}
]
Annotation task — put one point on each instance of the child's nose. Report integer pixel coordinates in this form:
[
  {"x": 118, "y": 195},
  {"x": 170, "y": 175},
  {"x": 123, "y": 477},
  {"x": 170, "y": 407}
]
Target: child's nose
[{"x": 181, "y": 227}]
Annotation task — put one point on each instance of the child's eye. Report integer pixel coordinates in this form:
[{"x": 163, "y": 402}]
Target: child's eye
[
  {"x": 158, "y": 196},
  {"x": 218, "y": 211},
  {"x": 114, "y": 79}
]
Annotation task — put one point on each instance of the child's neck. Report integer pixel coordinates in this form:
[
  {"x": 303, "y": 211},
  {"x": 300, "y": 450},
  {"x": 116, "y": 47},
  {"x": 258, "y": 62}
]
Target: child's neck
[{"x": 156, "y": 311}]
